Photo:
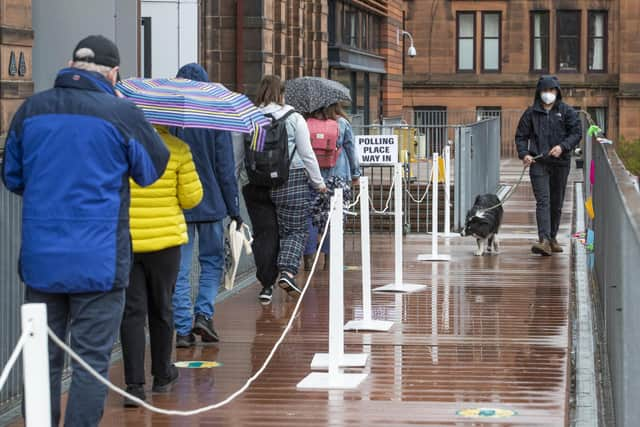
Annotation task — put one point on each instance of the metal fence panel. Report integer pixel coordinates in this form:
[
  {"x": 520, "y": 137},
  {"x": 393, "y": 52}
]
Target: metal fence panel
[
  {"x": 616, "y": 268},
  {"x": 436, "y": 118},
  {"x": 11, "y": 292},
  {"x": 477, "y": 165}
]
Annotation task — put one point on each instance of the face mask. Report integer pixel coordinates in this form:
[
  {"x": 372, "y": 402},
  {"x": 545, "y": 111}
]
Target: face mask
[{"x": 548, "y": 97}]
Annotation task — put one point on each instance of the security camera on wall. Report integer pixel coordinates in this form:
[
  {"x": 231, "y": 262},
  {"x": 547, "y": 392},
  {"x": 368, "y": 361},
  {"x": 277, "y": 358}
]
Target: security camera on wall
[{"x": 412, "y": 50}]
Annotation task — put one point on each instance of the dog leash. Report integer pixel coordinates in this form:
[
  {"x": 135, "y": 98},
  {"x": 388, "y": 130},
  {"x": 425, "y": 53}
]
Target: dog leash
[{"x": 513, "y": 189}]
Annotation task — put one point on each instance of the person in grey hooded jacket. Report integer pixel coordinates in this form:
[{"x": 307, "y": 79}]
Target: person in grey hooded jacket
[{"x": 550, "y": 129}]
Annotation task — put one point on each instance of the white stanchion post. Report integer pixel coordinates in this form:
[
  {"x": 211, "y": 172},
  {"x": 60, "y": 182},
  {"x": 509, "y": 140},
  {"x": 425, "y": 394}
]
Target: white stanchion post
[
  {"x": 367, "y": 323},
  {"x": 35, "y": 358},
  {"x": 335, "y": 359},
  {"x": 398, "y": 285},
  {"x": 434, "y": 314},
  {"x": 434, "y": 256},
  {"x": 447, "y": 193}
]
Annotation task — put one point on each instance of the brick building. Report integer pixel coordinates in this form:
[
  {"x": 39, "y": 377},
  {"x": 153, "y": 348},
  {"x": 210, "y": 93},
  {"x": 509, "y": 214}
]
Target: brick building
[
  {"x": 484, "y": 57},
  {"x": 475, "y": 58},
  {"x": 354, "y": 42},
  {"x": 16, "y": 41},
  {"x": 38, "y": 36}
]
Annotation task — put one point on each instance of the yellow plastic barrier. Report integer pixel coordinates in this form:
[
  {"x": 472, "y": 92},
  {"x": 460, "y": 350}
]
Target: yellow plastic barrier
[{"x": 588, "y": 205}]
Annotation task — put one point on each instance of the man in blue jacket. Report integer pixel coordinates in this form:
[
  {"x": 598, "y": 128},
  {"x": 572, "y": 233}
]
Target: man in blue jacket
[
  {"x": 552, "y": 129},
  {"x": 213, "y": 155},
  {"x": 69, "y": 153}
]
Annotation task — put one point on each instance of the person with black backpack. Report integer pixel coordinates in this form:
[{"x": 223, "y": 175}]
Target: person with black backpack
[{"x": 277, "y": 195}]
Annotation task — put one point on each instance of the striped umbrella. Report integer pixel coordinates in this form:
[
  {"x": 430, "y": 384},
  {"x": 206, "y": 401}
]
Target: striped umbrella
[{"x": 189, "y": 103}]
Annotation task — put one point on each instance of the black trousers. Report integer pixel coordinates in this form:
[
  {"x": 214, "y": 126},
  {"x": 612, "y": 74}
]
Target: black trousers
[
  {"x": 549, "y": 185},
  {"x": 266, "y": 239},
  {"x": 150, "y": 292}
]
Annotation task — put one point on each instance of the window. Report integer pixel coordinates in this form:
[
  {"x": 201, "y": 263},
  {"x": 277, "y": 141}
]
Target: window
[
  {"x": 540, "y": 41},
  {"x": 568, "y": 30},
  {"x": 599, "y": 115},
  {"x": 145, "y": 46},
  {"x": 483, "y": 113},
  {"x": 597, "y": 41},
  {"x": 353, "y": 27},
  {"x": 491, "y": 41},
  {"x": 466, "y": 41}
]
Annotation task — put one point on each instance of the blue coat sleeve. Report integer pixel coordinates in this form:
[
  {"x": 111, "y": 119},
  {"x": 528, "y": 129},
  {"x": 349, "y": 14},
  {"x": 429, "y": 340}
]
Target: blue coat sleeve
[
  {"x": 147, "y": 154},
  {"x": 225, "y": 172},
  {"x": 12, "y": 166},
  {"x": 350, "y": 149}
]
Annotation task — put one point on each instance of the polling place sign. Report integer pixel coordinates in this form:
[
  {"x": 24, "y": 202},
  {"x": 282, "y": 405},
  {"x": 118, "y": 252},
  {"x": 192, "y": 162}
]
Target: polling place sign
[{"x": 377, "y": 149}]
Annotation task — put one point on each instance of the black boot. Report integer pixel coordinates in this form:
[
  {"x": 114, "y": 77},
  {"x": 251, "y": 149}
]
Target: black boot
[
  {"x": 204, "y": 328},
  {"x": 136, "y": 390},
  {"x": 185, "y": 341}
]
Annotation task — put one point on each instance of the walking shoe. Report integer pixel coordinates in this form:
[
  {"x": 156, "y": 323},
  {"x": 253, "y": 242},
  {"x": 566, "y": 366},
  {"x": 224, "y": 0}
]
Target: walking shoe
[
  {"x": 308, "y": 262},
  {"x": 204, "y": 328},
  {"x": 543, "y": 247},
  {"x": 265, "y": 295},
  {"x": 555, "y": 246},
  {"x": 163, "y": 385},
  {"x": 136, "y": 390},
  {"x": 185, "y": 341},
  {"x": 288, "y": 284}
]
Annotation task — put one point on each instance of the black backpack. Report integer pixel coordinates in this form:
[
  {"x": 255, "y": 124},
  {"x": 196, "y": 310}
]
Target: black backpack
[{"x": 270, "y": 167}]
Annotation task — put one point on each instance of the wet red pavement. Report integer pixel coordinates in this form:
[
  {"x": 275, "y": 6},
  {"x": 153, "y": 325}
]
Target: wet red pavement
[{"x": 488, "y": 332}]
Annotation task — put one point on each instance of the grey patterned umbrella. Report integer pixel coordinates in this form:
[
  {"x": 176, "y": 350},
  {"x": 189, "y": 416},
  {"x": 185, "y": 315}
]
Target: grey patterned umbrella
[{"x": 308, "y": 94}]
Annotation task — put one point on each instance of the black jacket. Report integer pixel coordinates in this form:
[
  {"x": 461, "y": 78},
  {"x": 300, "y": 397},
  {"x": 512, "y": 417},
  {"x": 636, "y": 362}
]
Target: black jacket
[{"x": 540, "y": 130}]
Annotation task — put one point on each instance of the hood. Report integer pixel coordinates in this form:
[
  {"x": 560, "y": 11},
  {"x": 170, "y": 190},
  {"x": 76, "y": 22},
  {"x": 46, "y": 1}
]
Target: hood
[
  {"x": 548, "y": 82},
  {"x": 193, "y": 71},
  {"x": 276, "y": 110}
]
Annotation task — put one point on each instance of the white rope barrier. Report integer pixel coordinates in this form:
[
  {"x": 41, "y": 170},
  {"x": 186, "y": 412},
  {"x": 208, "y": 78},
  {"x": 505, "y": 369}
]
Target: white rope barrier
[
  {"x": 12, "y": 360},
  {"x": 426, "y": 191},
  {"x": 355, "y": 203},
  {"x": 233, "y": 396},
  {"x": 388, "y": 202}
]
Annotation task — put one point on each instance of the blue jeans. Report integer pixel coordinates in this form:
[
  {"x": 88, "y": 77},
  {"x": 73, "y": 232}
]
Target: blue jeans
[
  {"x": 312, "y": 240},
  {"x": 92, "y": 320},
  {"x": 211, "y": 257}
]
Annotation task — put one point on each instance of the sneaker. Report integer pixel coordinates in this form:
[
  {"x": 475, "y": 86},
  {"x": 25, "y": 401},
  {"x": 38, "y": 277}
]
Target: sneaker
[
  {"x": 163, "y": 385},
  {"x": 136, "y": 390},
  {"x": 265, "y": 295},
  {"x": 204, "y": 328},
  {"x": 555, "y": 246},
  {"x": 288, "y": 284},
  {"x": 543, "y": 247},
  {"x": 185, "y": 341}
]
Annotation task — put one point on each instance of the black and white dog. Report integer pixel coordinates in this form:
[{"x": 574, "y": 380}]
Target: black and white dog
[{"x": 484, "y": 223}]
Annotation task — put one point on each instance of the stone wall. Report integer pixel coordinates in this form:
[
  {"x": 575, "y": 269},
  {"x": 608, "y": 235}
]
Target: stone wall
[{"x": 16, "y": 41}]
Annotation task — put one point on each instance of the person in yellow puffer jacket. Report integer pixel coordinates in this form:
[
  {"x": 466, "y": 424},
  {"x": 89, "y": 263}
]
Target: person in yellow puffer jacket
[{"x": 158, "y": 229}]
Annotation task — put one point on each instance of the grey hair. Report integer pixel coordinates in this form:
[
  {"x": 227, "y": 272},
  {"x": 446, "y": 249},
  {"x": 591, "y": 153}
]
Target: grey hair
[{"x": 90, "y": 66}]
